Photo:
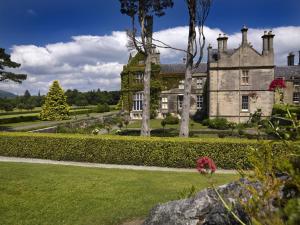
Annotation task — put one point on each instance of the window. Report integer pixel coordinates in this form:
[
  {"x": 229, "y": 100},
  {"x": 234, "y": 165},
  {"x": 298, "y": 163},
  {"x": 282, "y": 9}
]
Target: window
[
  {"x": 245, "y": 103},
  {"x": 138, "y": 102},
  {"x": 199, "y": 83},
  {"x": 139, "y": 77},
  {"x": 179, "y": 101},
  {"x": 164, "y": 103},
  {"x": 199, "y": 101},
  {"x": 296, "y": 97},
  {"x": 181, "y": 84},
  {"x": 245, "y": 77}
]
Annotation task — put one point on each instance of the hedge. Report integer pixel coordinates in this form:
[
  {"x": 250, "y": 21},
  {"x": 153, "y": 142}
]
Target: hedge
[{"x": 165, "y": 152}]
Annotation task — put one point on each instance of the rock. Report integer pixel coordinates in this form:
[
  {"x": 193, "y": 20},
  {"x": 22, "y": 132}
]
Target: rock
[{"x": 205, "y": 208}]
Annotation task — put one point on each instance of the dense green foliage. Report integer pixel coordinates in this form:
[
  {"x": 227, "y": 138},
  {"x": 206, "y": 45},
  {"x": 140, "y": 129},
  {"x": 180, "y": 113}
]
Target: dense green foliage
[
  {"x": 280, "y": 110},
  {"x": 167, "y": 152},
  {"x": 94, "y": 97},
  {"x": 101, "y": 108},
  {"x": 171, "y": 119},
  {"x": 55, "y": 106},
  {"x": 217, "y": 123},
  {"x": 5, "y": 62}
]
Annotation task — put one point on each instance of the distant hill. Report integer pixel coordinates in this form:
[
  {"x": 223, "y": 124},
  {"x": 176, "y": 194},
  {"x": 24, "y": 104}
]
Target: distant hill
[{"x": 6, "y": 94}]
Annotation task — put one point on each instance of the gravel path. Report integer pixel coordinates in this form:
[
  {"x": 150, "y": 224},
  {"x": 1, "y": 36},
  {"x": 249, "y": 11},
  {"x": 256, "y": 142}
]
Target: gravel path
[{"x": 107, "y": 166}]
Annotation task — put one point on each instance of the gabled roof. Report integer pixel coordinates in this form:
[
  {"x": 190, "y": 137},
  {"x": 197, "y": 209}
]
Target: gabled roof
[
  {"x": 180, "y": 68},
  {"x": 288, "y": 72}
]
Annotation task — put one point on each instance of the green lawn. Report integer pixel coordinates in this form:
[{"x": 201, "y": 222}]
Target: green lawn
[
  {"x": 156, "y": 123},
  {"x": 32, "y": 194}
]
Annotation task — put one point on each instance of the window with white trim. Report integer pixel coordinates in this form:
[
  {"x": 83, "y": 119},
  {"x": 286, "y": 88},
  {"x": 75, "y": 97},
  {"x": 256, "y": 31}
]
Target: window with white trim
[
  {"x": 245, "y": 103},
  {"x": 199, "y": 101},
  {"x": 137, "y": 102},
  {"x": 139, "y": 77},
  {"x": 296, "y": 97},
  {"x": 181, "y": 84},
  {"x": 245, "y": 77},
  {"x": 164, "y": 103},
  {"x": 199, "y": 83}
]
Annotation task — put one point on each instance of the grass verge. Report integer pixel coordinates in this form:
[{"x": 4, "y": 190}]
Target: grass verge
[{"x": 64, "y": 195}]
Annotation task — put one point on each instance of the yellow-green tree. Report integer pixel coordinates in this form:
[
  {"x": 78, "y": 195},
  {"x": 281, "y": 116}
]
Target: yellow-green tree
[{"x": 55, "y": 106}]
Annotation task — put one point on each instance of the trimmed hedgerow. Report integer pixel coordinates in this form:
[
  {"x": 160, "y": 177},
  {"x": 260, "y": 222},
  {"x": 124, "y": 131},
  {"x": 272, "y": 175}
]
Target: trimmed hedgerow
[{"x": 166, "y": 152}]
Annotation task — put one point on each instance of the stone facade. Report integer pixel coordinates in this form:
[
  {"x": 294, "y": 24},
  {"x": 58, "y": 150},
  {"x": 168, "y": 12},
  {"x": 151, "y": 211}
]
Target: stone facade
[{"x": 232, "y": 84}]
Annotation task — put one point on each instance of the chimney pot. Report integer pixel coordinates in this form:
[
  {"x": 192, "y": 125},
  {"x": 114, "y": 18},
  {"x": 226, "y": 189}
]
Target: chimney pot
[
  {"x": 291, "y": 59},
  {"x": 184, "y": 60}
]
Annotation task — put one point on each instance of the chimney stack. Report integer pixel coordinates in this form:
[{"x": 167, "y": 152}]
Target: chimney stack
[
  {"x": 220, "y": 43},
  {"x": 244, "y": 35},
  {"x": 268, "y": 42},
  {"x": 299, "y": 58},
  {"x": 225, "y": 38},
  {"x": 184, "y": 60},
  {"x": 291, "y": 58}
]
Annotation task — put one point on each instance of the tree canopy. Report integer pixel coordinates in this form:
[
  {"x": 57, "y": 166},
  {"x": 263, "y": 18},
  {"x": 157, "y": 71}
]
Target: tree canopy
[{"x": 5, "y": 62}]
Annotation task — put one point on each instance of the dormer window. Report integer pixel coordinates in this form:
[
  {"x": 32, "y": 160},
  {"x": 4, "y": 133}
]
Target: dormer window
[
  {"x": 245, "y": 77},
  {"x": 181, "y": 84},
  {"x": 139, "y": 77}
]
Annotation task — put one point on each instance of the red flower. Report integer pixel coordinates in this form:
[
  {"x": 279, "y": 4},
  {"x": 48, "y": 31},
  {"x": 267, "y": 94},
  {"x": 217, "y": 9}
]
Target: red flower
[
  {"x": 277, "y": 83},
  {"x": 206, "y": 165}
]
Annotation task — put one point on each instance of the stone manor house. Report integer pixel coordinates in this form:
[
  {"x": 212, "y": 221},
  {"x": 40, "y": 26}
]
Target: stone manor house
[{"x": 232, "y": 84}]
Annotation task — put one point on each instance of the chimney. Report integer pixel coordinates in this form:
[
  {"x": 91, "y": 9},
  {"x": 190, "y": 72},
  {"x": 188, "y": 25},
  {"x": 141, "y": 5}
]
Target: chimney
[
  {"x": 184, "y": 60},
  {"x": 291, "y": 58},
  {"x": 270, "y": 41},
  {"x": 225, "y": 38},
  {"x": 265, "y": 43},
  {"x": 209, "y": 48},
  {"x": 244, "y": 35},
  {"x": 220, "y": 43},
  {"x": 299, "y": 58}
]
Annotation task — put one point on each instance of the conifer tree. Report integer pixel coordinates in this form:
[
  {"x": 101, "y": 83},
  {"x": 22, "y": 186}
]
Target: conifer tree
[
  {"x": 55, "y": 106},
  {"x": 5, "y": 62}
]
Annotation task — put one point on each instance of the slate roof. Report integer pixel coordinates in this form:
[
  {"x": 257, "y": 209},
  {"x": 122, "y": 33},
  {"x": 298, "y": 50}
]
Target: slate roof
[
  {"x": 288, "y": 72},
  {"x": 180, "y": 68}
]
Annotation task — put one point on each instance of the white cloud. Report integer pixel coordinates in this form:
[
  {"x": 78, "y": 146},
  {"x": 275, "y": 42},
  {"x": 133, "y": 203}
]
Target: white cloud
[{"x": 89, "y": 62}]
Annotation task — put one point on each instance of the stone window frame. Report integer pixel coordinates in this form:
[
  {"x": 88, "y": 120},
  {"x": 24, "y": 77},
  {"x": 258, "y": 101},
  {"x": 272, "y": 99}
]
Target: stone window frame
[
  {"x": 296, "y": 97},
  {"x": 245, "y": 104},
  {"x": 199, "y": 102},
  {"x": 199, "y": 82},
  {"x": 164, "y": 103},
  {"x": 245, "y": 78},
  {"x": 181, "y": 85},
  {"x": 137, "y": 101},
  {"x": 139, "y": 77},
  {"x": 179, "y": 102}
]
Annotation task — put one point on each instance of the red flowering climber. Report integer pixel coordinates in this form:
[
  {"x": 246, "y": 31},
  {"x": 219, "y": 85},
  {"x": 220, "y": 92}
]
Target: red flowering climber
[
  {"x": 206, "y": 165},
  {"x": 277, "y": 84}
]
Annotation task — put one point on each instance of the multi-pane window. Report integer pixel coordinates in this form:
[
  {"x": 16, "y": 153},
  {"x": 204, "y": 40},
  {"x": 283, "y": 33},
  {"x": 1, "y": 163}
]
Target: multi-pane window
[
  {"x": 199, "y": 83},
  {"x": 139, "y": 77},
  {"x": 245, "y": 77},
  {"x": 164, "y": 103},
  {"x": 296, "y": 97},
  {"x": 245, "y": 103},
  {"x": 180, "y": 101},
  {"x": 181, "y": 84},
  {"x": 138, "y": 101},
  {"x": 199, "y": 101}
]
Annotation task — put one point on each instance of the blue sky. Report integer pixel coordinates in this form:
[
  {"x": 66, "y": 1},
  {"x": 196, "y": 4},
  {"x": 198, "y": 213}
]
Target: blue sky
[
  {"x": 82, "y": 43},
  {"x": 46, "y": 21}
]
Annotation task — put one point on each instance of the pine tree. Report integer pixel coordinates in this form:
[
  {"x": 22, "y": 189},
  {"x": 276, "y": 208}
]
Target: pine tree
[
  {"x": 55, "y": 106},
  {"x": 5, "y": 61}
]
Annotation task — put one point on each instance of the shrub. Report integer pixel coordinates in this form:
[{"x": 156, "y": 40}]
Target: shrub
[
  {"x": 18, "y": 119},
  {"x": 101, "y": 108},
  {"x": 171, "y": 119},
  {"x": 218, "y": 123},
  {"x": 166, "y": 152}
]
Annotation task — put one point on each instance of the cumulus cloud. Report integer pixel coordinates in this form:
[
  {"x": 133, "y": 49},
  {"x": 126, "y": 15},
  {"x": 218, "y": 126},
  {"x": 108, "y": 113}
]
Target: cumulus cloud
[{"x": 89, "y": 62}]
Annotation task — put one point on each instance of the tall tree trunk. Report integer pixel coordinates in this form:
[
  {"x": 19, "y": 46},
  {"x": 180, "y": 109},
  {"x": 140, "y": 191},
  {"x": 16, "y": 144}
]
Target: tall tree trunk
[
  {"x": 145, "y": 130},
  {"x": 185, "y": 114}
]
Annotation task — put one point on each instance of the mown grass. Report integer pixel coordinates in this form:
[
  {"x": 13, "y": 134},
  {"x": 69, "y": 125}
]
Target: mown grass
[
  {"x": 63, "y": 195},
  {"x": 156, "y": 124}
]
